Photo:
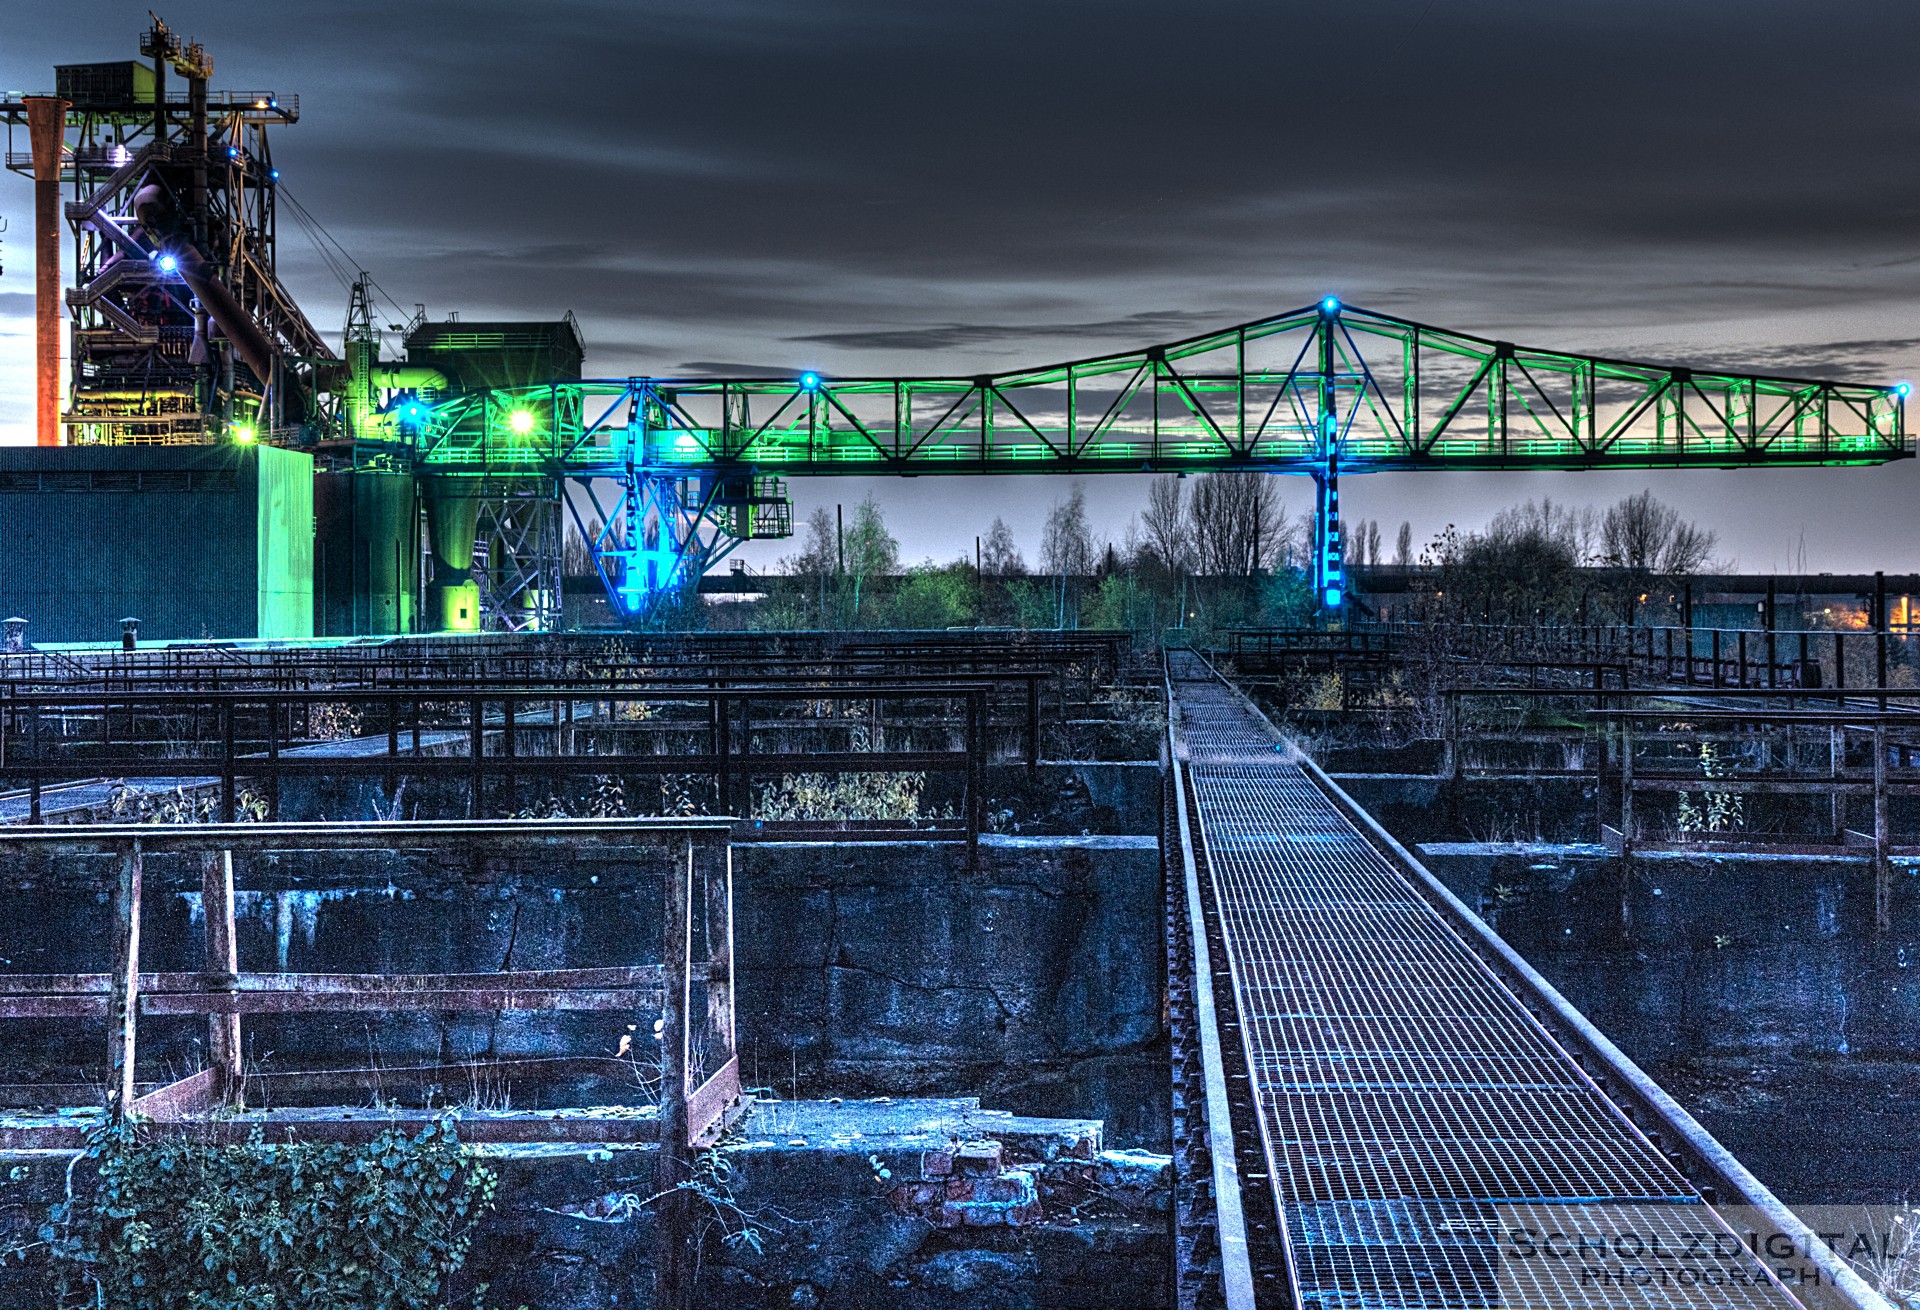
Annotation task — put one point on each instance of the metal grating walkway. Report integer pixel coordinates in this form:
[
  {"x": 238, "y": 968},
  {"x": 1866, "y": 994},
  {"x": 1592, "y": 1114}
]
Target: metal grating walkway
[{"x": 1411, "y": 1107}]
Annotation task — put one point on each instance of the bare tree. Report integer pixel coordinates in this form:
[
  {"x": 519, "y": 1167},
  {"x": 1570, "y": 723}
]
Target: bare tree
[
  {"x": 1237, "y": 525},
  {"x": 1164, "y": 528},
  {"x": 1373, "y": 541},
  {"x": 819, "y": 554},
  {"x": 1000, "y": 555},
  {"x": 1647, "y": 536},
  {"x": 1066, "y": 547},
  {"x": 1403, "y": 545},
  {"x": 1570, "y": 531},
  {"x": 1067, "y": 550}
]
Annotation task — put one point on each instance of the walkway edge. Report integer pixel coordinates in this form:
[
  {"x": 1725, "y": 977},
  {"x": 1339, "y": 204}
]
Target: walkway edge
[
  {"x": 1732, "y": 1177},
  {"x": 1236, "y": 1270}
]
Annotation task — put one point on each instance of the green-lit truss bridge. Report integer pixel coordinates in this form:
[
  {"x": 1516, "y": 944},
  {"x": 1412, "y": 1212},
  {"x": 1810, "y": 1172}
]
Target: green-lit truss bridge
[{"x": 1323, "y": 390}]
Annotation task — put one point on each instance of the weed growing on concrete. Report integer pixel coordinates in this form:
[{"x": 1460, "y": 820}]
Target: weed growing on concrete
[
  {"x": 131, "y": 804},
  {"x": 823, "y": 796},
  {"x": 1718, "y": 811}
]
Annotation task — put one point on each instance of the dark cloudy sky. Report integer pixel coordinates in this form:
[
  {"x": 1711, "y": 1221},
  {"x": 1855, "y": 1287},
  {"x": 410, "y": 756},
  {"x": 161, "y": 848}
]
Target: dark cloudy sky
[{"x": 871, "y": 186}]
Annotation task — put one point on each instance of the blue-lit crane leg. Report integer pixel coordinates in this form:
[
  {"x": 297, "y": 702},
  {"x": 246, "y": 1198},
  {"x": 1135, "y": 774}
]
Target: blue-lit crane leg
[{"x": 1329, "y": 570}]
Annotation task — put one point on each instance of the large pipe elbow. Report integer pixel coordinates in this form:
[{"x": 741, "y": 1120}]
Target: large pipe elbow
[
  {"x": 249, "y": 342},
  {"x": 408, "y": 377}
]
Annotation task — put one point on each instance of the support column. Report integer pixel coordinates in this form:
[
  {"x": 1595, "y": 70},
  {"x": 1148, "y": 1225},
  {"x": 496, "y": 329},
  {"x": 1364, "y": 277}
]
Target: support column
[
  {"x": 47, "y": 130},
  {"x": 1626, "y": 829},
  {"x": 674, "y": 1234},
  {"x": 1882, "y": 866},
  {"x": 1880, "y": 636},
  {"x": 222, "y": 961},
  {"x": 123, "y": 1001},
  {"x": 1328, "y": 570}
]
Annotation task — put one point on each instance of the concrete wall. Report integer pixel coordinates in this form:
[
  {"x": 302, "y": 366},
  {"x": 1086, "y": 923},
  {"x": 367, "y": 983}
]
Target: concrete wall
[
  {"x": 1035, "y": 982},
  {"x": 1756, "y": 991}
]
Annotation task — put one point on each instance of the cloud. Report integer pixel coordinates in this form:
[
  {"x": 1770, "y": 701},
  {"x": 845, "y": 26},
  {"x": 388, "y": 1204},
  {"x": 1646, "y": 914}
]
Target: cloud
[
  {"x": 892, "y": 189},
  {"x": 711, "y": 368},
  {"x": 1146, "y": 328},
  {"x": 1863, "y": 361}
]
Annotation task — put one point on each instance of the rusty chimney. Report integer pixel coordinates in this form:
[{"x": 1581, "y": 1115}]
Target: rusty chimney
[{"x": 47, "y": 130}]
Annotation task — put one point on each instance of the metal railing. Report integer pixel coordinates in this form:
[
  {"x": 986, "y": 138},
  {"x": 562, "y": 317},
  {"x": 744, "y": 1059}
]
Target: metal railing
[{"x": 496, "y": 740}]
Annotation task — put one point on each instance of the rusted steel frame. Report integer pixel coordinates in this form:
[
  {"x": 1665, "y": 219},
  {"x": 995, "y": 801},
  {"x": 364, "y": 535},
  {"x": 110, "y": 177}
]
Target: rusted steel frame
[
  {"x": 1805, "y": 786},
  {"x": 223, "y": 964},
  {"x": 123, "y": 993},
  {"x": 119, "y": 995},
  {"x": 24, "y": 1095},
  {"x": 403, "y": 1000},
  {"x": 715, "y": 1104},
  {"x": 195, "y": 1092},
  {"x": 508, "y": 766},
  {"x": 58, "y": 984},
  {"x": 1701, "y": 694},
  {"x": 238, "y": 1131},
  {"x": 1757, "y": 844},
  {"x": 532, "y": 1069},
  {"x": 691, "y": 687},
  {"x": 709, "y": 1104},
  {"x": 112, "y": 839},
  {"x": 976, "y": 784},
  {"x": 802, "y": 688},
  {"x": 673, "y": 1265}
]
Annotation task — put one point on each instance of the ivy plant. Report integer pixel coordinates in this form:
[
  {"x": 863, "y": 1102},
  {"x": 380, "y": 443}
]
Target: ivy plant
[{"x": 172, "y": 1224}]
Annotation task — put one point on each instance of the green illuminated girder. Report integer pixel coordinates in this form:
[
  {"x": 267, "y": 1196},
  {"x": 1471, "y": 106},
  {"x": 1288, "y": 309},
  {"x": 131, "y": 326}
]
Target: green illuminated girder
[{"x": 1403, "y": 396}]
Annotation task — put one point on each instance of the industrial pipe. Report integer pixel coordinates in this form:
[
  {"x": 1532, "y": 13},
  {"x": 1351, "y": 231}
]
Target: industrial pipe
[
  {"x": 249, "y": 342},
  {"x": 335, "y": 376},
  {"x": 408, "y": 377},
  {"x": 47, "y": 131}
]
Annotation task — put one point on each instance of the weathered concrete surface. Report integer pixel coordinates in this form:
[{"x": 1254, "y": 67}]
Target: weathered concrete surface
[
  {"x": 1036, "y": 980},
  {"x": 1755, "y": 990},
  {"x": 1509, "y": 808},
  {"x": 863, "y": 968},
  {"x": 1557, "y": 810},
  {"x": 1074, "y": 797},
  {"x": 816, "y": 1204}
]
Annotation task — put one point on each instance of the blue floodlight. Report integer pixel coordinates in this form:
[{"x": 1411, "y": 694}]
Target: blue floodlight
[
  {"x": 1333, "y": 598},
  {"x": 168, "y": 263},
  {"x": 1331, "y": 304},
  {"x": 809, "y": 381},
  {"x": 1903, "y": 389},
  {"x": 274, "y": 173}
]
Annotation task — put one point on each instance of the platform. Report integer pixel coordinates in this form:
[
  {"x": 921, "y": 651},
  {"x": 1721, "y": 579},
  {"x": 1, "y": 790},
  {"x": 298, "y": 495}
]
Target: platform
[{"x": 1415, "y": 1115}]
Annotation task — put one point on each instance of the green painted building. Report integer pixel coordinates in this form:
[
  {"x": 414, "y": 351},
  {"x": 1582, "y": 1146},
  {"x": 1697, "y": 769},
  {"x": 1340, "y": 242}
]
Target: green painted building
[{"x": 194, "y": 541}]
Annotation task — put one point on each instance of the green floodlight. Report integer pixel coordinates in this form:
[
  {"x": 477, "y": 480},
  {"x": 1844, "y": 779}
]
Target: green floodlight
[{"x": 521, "y": 422}]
